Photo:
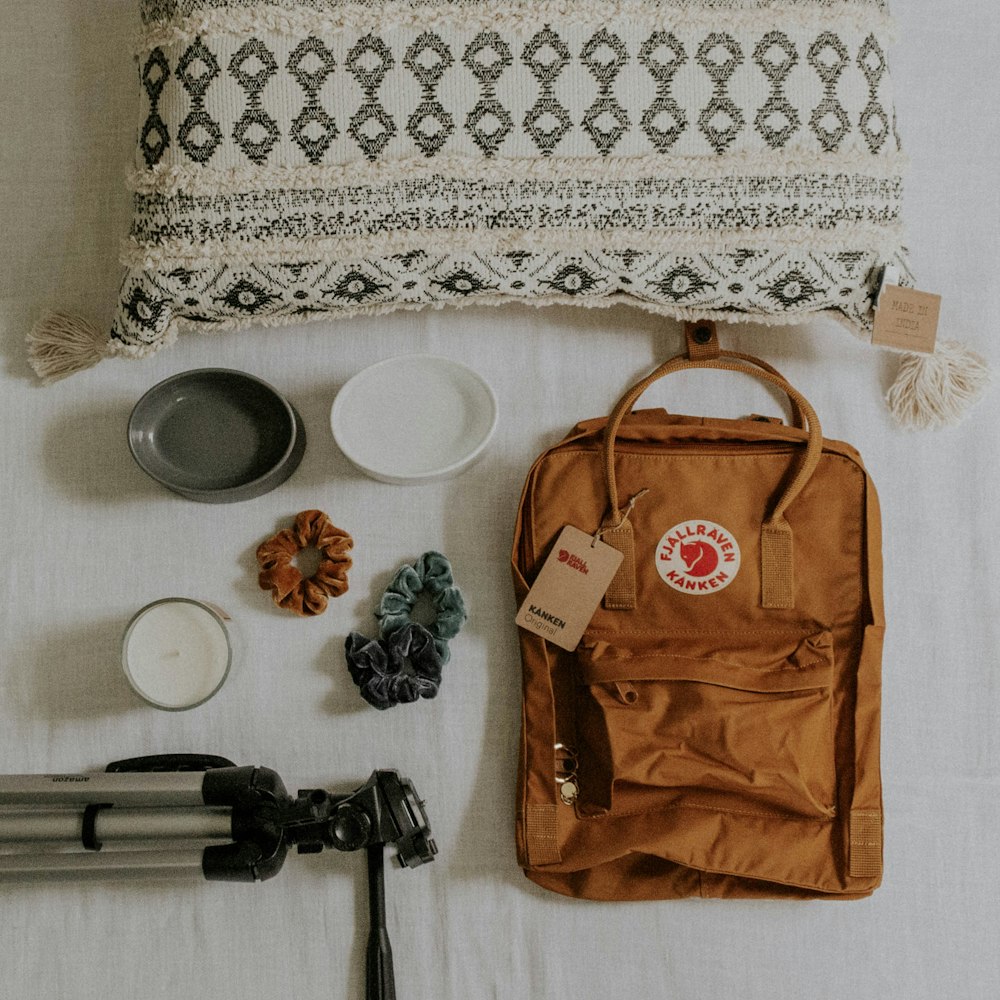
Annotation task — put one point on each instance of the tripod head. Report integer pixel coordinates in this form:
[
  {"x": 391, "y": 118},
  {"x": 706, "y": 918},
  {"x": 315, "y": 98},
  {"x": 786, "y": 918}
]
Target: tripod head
[{"x": 384, "y": 810}]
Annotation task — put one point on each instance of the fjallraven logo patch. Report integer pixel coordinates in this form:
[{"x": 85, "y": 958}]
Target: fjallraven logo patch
[{"x": 698, "y": 557}]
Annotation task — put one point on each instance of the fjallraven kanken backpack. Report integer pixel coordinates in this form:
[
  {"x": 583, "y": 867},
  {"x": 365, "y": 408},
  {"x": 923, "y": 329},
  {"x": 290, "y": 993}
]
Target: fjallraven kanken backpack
[{"x": 716, "y": 730}]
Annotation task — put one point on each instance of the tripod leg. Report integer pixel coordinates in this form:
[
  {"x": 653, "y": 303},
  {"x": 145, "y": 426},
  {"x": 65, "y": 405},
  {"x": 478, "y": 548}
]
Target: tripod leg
[
  {"x": 24, "y": 826},
  {"x": 379, "y": 981},
  {"x": 114, "y": 865},
  {"x": 165, "y": 789}
]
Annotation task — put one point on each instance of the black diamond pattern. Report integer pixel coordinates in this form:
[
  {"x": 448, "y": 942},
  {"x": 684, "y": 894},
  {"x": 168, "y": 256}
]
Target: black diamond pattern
[
  {"x": 311, "y": 62},
  {"x": 368, "y": 62},
  {"x": 875, "y": 124},
  {"x": 776, "y": 55},
  {"x": 256, "y": 132},
  {"x": 546, "y": 55},
  {"x": 313, "y": 130},
  {"x": 830, "y": 123},
  {"x": 606, "y": 121},
  {"x": 488, "y": 57},
  {"x": 720, "y": 56},
  {"x": 828, "y": 57},
  {"x": 199, "y": 134},
  {"x": 547, "y": 122},
  {"x": 253, "y": 65},
  {"x": 605, "y": 56},
  {"x": 664, "y": 120},
  {"x": 430, "y": 125},
  {"x": 372, "y": 129},
  {"x": 154, "y": 139},
  {"x": 777, "y": 120},
  {"x": 155, "y": 74},
  {"x": 197, "y": 69},
  {"x": 371, "y": 126},
  {"x": 427, "y": 59},
  {"x": 871, "y": 61},
  {"x": 489, "y": 122},
  {"x": 721, "y": 121}
]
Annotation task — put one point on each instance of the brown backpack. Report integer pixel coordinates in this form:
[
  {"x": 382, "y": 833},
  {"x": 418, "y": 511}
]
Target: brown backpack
[{"x": 716, "y": 731}]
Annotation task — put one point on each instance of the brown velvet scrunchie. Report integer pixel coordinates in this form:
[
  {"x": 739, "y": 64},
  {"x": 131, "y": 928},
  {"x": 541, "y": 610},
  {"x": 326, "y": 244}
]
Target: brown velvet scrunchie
[{"x": 305, "y": 596}]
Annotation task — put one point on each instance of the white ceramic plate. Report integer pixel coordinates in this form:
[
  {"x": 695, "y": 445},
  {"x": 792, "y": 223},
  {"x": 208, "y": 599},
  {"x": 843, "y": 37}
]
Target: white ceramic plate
[{"x": 414, "y": 419}]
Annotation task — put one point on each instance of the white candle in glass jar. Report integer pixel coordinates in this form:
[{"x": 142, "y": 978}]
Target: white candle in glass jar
[{"x": 176, "y": 653}]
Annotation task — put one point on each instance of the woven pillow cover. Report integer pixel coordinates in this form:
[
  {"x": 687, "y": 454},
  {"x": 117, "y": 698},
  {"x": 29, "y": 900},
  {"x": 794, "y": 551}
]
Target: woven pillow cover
[{"x": 699, "y": 158}]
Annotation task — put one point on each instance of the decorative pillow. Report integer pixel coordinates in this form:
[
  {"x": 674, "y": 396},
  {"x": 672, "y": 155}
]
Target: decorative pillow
[{"x": 728, "y": 159}]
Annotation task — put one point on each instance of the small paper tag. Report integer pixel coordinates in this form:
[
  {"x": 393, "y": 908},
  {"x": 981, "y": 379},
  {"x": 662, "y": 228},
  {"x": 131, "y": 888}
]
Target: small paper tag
[
  {"x": 907, "y": 319},
  {"x": 569, "y": 588}
]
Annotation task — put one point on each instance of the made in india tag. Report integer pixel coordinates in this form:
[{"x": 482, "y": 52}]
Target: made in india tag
[
  {"x": 569, "y": 587},
  {"x": 907, "y": 319}
]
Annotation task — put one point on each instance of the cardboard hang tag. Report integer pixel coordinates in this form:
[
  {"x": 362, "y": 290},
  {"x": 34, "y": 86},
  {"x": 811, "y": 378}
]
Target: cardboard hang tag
[
  {"x": 907, "y": 319},
  {"x": 569, "y": 587}
]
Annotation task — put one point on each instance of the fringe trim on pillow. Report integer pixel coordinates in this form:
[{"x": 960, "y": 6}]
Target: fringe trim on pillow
[
  {"x": 203, "y": 180},
  {"x": 937, "y": 390},
  {"x": 512, "y": 14},
  {"x": 206, "y": 253},
  {"x": 59, "y": 345}
]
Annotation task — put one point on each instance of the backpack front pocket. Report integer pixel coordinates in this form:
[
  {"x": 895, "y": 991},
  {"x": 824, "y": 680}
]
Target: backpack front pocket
[{"x": 707, "y": 721}]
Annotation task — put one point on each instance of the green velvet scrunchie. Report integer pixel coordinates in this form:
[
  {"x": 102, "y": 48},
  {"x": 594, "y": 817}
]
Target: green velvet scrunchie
[{"x": 431, "y": 573}]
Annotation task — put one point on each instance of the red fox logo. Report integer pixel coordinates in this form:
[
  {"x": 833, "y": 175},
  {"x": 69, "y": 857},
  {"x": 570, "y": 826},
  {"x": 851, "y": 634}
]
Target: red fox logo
[
  {"x": 700, "y": 558},
  {"x": 574, "y": 562}
]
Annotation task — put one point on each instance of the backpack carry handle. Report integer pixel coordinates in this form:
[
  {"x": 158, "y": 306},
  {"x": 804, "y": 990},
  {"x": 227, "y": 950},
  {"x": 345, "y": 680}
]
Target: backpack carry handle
[
  {"x": 798, "y": 417},
  {"x": 777, "y": 579}
]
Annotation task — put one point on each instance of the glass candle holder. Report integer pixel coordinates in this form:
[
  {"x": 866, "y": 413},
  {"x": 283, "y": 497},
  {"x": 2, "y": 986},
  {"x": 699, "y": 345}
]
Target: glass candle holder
[{"x": 177, "y": 652}]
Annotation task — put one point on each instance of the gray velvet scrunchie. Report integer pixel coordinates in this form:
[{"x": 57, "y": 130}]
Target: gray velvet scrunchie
[
  {"x": 431, "y": 573},
  {"x": 377, "y": 666}
]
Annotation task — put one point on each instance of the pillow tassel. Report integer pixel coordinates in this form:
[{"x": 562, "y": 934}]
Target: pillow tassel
[
  {"x": 60, "y": 345},
  {"x": 937, "y": 390}
]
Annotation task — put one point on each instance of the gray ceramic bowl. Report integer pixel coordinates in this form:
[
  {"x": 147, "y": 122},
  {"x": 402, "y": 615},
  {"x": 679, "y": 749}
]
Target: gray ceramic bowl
[{"x": 216, "y": 436}]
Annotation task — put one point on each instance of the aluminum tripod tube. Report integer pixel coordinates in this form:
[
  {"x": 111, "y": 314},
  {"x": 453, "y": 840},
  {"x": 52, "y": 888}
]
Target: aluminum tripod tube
[
  {"x": 153, "y": 789},
  {"x": 113, "y": 825},
  {"x": 122, "y": 865}
]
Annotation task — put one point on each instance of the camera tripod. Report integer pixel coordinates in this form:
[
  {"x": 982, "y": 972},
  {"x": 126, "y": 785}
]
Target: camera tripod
[{"x": 201, "y": 816}]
